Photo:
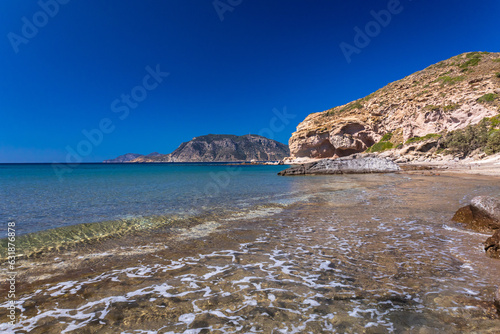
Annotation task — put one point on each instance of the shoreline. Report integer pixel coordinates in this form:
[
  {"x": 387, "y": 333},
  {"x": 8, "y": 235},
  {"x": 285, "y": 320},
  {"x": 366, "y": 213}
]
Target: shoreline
[{"x": 487, "y": 167}]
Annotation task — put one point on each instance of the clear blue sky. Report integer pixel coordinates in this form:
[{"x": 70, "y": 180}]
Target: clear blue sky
[{"x": 225, "y": 76}]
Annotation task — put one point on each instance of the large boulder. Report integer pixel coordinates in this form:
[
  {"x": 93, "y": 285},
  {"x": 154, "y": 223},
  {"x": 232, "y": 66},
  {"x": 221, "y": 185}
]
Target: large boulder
[
  {"x": 354, "y": 164},
  {"x": 489, "y": 205},
  {"x": 483, "y": 214}
]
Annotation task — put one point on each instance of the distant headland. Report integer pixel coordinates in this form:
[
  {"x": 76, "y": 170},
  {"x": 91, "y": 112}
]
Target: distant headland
[{"x": 216, "y": 148}]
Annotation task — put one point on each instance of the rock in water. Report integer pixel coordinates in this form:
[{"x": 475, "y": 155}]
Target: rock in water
[
  {"x": 489, "y": 205},
  {"x": 497, "y": 300},
  {"x": 492, "y": 248},
  {"x": 354, "y": 164},
  {"x": 483, "y": 214}
]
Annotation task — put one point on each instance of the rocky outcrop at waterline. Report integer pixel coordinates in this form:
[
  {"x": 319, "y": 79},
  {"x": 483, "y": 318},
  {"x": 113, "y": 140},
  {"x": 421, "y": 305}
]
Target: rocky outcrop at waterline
[
  {"x": 444, "y": 97},
  {"x": 492, "y": 246},
  {"x": 219, "y": 148},
  {"x": 496, "y": 300},
  {"x": 355, "y": 164},
  {"x": 483, "y": 215}
]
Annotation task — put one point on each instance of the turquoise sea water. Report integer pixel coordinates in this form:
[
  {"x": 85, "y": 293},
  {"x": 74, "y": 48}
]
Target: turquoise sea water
[{"x": 36, "y": 199}]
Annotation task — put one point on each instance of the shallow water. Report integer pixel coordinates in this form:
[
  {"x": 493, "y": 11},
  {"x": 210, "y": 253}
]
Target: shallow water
[
  {"x": 355, "y": 254},
  {"x": 34, "y": 196}
]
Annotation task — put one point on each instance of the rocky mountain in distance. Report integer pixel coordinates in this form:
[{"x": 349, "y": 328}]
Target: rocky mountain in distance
[
  {"x": 411, "y": 117},
  {"x": 125, "y": 157},
  {"x": 218, "y": 148}
]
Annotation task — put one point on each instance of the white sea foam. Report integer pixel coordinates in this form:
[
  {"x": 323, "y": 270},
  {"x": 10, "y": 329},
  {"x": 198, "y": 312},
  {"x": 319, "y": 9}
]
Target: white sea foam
[
  {"x": 311, "y": 302},
  {"x": 253, "y": 214},
  {"x": 463, "y": 231},
  {"x": 187, "y": 318}
]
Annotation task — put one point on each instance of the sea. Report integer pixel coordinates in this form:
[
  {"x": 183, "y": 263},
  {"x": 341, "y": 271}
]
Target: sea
[{"x": 224, "y": 248}]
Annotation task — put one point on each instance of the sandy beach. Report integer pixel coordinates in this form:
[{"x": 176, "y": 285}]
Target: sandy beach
[{"x": 489, "y": 166}]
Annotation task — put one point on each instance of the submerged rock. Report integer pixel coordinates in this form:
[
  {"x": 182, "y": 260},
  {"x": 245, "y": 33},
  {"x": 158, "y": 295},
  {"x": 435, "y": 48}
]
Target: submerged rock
[
  {"x": 354, "y": 164},
  {"x": 492, "y": 248}
]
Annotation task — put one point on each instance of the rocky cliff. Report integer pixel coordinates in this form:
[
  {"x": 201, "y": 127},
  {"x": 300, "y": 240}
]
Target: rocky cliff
[
  {"x": 222, "y": 148},
  {"x": 443, "y": 97}
]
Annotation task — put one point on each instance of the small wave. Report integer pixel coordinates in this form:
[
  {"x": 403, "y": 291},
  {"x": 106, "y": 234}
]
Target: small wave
[{"x": 454, "y": 229}]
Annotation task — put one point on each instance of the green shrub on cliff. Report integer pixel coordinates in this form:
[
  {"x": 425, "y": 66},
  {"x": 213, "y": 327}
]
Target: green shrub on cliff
[
  {"x": 474, "y": 59},
  {"x": 466, "y": 140},
  {"x": 348, "y": 107},
  {"x": 493, "y": 121},
  {"x": 380, "y": 146},
  {"x": 447, "y": 80},
  {"x": 445, "y": 108},
  {"x": 383, "y": 145},
  {"x": 332, "y": 111},
  {"x": 493, "y": 144},
  {"x": 386, "y": 137},
  {"x": 487, "y": 98},
  {"x": 432, "y": 107},
  {"x": 353, "y": 105},
  {"x": 419, "y": 139},
  {"x": 451, "y": 107}
]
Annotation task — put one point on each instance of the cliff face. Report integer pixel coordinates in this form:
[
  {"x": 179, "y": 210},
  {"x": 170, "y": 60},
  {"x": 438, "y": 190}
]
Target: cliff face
[
  {"x": 219, "y": 148},
  {"x": 445, "y": 96}
]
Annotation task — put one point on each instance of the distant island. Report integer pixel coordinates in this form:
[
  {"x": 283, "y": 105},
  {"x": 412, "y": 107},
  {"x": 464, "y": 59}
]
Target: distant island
[{"x": 216, "y": 148}]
